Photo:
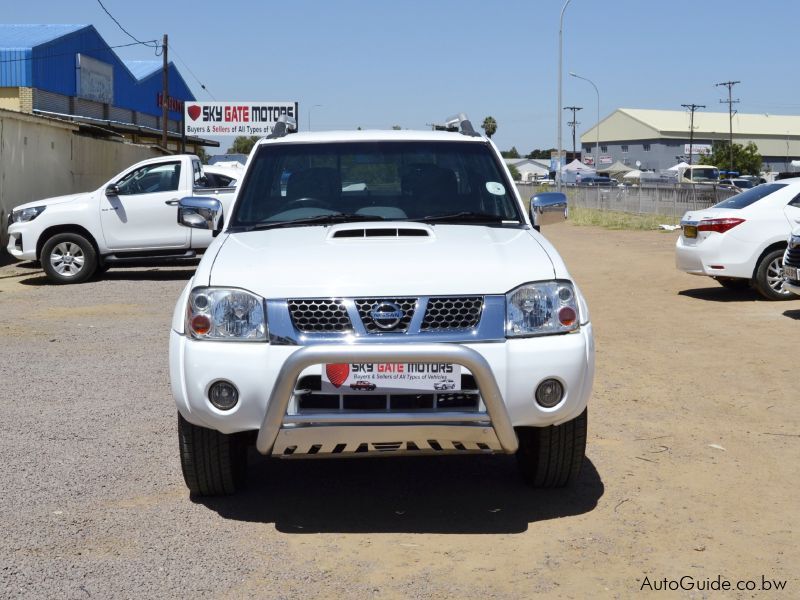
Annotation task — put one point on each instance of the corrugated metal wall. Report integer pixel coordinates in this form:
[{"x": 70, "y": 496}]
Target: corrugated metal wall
[
  {"x": 50, "y": 101},
  {"x": 15, "y": 68},
  {"x": 122, "y": 115},
  {"x": 88, "y": 108}
]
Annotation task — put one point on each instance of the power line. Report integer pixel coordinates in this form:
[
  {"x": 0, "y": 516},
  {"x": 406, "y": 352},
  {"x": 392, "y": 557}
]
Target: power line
[
  {"x": 30, "y": 58},
  {"x": 731, "y": 102},
  {"x": 200, "y": 83},
  {"x": 692, "y": 108},
  {"x": 573, "y": 124},
  {"x": 152, "y": 44}
]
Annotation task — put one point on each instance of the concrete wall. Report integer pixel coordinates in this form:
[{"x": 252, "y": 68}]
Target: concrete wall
[{"x": 40, "y": 158}]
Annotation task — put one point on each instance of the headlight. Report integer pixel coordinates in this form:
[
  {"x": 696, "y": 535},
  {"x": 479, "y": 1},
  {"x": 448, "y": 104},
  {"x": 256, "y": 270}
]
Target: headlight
[
  {"x": 225, "y": 314},
  {"x": 541, "y": 308},
  {"x": 794, "y": 241},
  {"x": 26, "y": 214}
]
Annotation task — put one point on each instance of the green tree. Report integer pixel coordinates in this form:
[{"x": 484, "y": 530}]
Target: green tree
[
  {"x": 513, "y": 153},
  {"x": 243, "y": 144},
  {"x": 540, "y": 153},
  {"x": 489, "y": 126},
  {"x": 746, "y": 159},
  {"x": 396, "y": 127},
  {"x": 515, "y": 174}
]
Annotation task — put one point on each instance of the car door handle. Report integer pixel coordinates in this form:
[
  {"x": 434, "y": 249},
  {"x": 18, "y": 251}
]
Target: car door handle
[
  {"x": 173, "y": 202},
  {"x": 110, "y": 208}
]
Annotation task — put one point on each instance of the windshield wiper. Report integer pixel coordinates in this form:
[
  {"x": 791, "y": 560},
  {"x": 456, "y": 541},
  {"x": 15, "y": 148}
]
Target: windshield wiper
[
  {"x": 315, "y": 220},
  {"x": 467, "y": 217}
]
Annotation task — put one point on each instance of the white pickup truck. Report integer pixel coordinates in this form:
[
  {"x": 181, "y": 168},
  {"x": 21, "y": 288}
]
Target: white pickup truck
[
  {"x": 131, "y": 219},
  {"x": 379, "y": 293}
]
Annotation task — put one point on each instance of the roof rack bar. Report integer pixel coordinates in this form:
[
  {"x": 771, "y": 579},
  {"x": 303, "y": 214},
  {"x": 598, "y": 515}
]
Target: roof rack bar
[
  {"x": 284, "y": 126},
  {"x": 462, "y": 123}
]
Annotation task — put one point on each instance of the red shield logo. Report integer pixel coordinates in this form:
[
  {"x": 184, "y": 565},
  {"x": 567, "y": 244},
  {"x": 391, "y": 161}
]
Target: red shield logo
[
  {"x": 337, "y": 374},
  {"x": 194, "y": 111}
]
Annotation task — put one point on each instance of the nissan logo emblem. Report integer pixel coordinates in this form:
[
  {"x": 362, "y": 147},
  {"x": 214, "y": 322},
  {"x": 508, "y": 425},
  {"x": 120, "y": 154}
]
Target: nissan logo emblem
[{"x": 386, "y": 315}]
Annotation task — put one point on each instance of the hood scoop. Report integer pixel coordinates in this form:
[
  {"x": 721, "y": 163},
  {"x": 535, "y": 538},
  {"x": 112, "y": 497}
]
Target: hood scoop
[{"x": 380, "y": 230}]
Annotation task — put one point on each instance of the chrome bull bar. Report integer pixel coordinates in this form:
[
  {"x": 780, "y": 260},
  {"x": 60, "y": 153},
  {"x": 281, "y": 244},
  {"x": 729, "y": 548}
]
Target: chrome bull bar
[{"x": 471, "y": 428}]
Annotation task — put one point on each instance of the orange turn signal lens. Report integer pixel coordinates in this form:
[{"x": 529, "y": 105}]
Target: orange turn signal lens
[
  {"x": 567, "y": 316},
  {"x": 201, "y": 324}
]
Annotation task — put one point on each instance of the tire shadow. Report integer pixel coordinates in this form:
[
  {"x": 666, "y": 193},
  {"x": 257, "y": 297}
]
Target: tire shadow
[
  {"x": 453, "y": 494},
  {"x": 792, "y": 314},
  {"x": 158, "y": 274},
  {"x": 721, "y": 294}
]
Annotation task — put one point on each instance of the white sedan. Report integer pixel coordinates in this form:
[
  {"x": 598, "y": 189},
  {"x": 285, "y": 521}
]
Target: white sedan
[{"x": 741, "y": 240}]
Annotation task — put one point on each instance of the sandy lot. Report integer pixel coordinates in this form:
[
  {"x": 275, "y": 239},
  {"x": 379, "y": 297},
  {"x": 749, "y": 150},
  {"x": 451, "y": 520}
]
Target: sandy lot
[{"x": 692, "y": 467}]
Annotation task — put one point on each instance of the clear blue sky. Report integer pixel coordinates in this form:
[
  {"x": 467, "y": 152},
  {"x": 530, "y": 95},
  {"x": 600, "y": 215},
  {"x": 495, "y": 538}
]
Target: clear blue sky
[{"x": 375, "y": 63}]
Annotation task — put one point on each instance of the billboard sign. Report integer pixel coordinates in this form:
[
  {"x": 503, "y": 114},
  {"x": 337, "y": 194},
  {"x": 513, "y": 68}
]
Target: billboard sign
[
  {"x": 606, "y": 160},
  {"x": 94, "y": 79},
  {"x": 235, "y": 118},
  {"x": 702, "y": 149}
]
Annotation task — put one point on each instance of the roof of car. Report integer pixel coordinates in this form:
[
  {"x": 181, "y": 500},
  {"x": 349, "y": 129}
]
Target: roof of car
[{"x": 374, "y": 135}]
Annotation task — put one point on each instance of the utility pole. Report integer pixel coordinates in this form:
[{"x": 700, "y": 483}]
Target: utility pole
[
  {"x": 164, "y": 94},
  {"x": 731, "y": 102},
  {"x": 692, "y": 108},
  {"x": 573, "y": 124}
]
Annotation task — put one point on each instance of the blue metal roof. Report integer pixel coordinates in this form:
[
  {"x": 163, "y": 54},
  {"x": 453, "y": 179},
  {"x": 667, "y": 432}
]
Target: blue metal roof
[
  {"x": 29, "y": 36},
  {"x": 143, "y": 68},
  {"x": 43, "y": 57}
]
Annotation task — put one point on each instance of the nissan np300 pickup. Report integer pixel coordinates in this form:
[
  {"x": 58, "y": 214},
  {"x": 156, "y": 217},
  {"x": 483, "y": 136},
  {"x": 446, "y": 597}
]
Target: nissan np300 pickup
[{"x": 378, "y": 293}]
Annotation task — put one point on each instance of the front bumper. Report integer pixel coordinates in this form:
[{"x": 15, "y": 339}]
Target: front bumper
[
  {"x": 507, "y": 374},
  {"x": 21, "y": 242}
]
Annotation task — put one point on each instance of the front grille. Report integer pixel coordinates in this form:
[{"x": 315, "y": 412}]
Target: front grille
[
  {"x": 320, "y": 316},
  {"x": 450, "y": 314},
  {"x": 310, "y": 399},
  {"x": 365, "y": 306},
  {"x": 792, "y": 257}
]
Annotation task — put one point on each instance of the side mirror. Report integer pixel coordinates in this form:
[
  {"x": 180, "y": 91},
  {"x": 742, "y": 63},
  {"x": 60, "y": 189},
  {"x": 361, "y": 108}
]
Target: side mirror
[
  {"x": 548, "y": 208},
  {"x": 112, "y": 190},
  {"x": 201, "y": 213}
]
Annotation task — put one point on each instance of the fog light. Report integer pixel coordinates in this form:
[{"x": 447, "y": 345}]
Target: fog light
[
  {"x": 223, "y": 395},
  {"x": 549, "y": 393}
]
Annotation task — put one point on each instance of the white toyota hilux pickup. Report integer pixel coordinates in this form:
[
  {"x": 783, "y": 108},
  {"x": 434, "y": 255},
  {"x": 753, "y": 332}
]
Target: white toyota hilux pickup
[
  {"x": 378, "y": 293},
  {"x": 128, "y": 220}
]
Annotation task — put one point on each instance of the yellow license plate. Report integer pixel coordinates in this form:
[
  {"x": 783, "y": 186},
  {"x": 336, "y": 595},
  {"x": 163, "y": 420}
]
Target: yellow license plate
[{"x": 690, "y": 231}]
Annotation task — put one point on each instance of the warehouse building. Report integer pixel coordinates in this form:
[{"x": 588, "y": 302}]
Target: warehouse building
[
  {"x": 657, "y": 139},
  {"x": 69, "y": 72}
]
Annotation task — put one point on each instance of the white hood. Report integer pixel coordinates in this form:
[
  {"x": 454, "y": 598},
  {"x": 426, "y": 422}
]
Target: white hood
[
  {"x": 315, "y": 262},
  {"x": 52, "y": 201}
]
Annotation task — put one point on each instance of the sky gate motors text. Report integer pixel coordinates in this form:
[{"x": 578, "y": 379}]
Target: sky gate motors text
[{"x": 233, "y": 113}]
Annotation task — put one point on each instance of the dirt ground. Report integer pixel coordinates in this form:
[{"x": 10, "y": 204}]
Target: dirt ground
[{"x": 692, "y": 464}]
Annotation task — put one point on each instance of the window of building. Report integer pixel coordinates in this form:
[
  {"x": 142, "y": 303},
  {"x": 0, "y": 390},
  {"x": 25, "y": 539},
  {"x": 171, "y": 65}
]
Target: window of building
[
  {"x": 646, "y": 147},
  {"x": 603, "y": 148},
  {"x": 587, "y": 150},
  {"x": 624, "y": 148}
]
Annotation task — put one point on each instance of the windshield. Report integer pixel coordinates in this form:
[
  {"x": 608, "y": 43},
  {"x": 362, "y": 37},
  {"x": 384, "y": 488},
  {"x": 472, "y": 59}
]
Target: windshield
[
  {"x": 750, "y": 196},
  {"x": 422, "y": 180}
]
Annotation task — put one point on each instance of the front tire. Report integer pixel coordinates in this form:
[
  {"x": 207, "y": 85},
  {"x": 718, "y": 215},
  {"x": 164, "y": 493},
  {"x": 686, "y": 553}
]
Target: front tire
[
  {"x": 213, "y": 463},
  {"x": 551, "y": 457},
  {"x": 68, "y": 258},
  {"x": 768, "y": 279}
]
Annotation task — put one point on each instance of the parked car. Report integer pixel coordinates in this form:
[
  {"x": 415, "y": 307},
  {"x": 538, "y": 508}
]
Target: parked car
[
  {"x": 791, "y": 264},
  {"x": 447, "y": 384},
  {"x": 363, "y": 386},
  {"x": 431, "y": 268},
  {"x": 738, "y": 183},
  {"x": 128, "y": 220},
  {"x": 740, "y": 242}
]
